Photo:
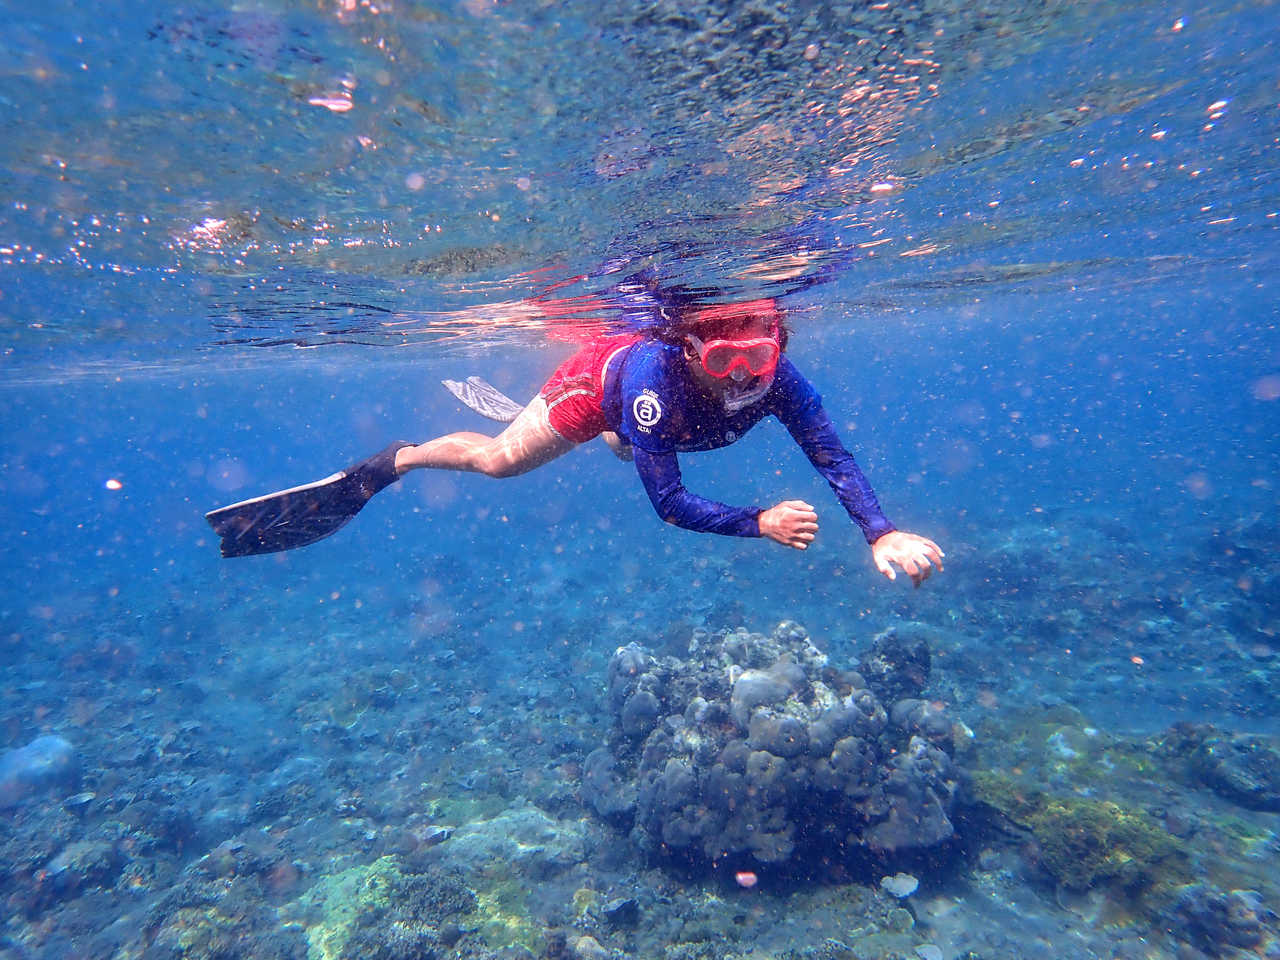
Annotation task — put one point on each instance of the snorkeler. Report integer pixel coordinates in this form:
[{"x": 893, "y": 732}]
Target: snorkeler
[{"x": 698, "y": 383}]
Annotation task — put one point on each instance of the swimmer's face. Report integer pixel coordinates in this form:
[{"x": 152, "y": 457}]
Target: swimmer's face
[{"x": 740, "y": 388}]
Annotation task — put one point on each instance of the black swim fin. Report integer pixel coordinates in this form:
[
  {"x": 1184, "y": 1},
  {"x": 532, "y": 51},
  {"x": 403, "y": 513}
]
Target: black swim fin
[
  {"x": 484, "y": 398},
  {"x": 301, "y": 515}
]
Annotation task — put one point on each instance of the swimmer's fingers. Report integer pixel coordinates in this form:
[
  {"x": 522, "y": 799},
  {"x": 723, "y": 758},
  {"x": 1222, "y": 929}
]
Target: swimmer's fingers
[
  {"x": 917, "y": 567},
  {"x": 916, "y": 555},
  {"x": 792, "y": 523},
  {"x": 885, "y": 567},
  {"x": 804, "y": 524},
  {"x": 800, "y": 508},
  {"x": 801, "y": 541},
  {"x": 933, "y": 552}
]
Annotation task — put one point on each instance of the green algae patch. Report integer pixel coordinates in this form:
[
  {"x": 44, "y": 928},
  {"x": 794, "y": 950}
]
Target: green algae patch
[
  {"x": 340, "y": 900},
  {"x": 347, "y": 915},
  {"x": 464, "y": 810},
  {"x": 203, "y": 933},
  {"x": 584, "y": 899},
  {"x": 1248, "y": 840},
  {"x": 365, "y": 689},
  {"x": 1085, "y": 842},
  {"x": 503, "y": 916},
  {"x": 1088, "y": 841}
]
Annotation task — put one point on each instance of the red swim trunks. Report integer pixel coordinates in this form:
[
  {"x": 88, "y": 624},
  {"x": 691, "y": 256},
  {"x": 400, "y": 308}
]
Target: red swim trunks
[{"x": 576, "y": 390}]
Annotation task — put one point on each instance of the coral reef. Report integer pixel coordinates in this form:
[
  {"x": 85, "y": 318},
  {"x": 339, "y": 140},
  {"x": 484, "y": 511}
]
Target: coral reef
[{"x": 753, "y": 751}]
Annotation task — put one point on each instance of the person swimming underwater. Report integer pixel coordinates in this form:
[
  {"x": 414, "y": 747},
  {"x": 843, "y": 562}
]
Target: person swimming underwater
[{"x": 698, "y": 382}]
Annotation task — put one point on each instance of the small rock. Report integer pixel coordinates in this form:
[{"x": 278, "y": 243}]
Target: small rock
[
  {"x": 435, "y": 835},
  {"x": 44, "y": 762},
  {"x": 449, "y": 933},
  {"x": 1181, "y": 822},
  {"x": 901, "y": 885},
  {"x": 79, "y": 803},
  {"x": 587, "y": 948},
  {"x": 624, "y": 912},
  {"x": 929, "y": 951},
  {"x": 81, "y": 865},
  {"x": 900, "y": 920}
]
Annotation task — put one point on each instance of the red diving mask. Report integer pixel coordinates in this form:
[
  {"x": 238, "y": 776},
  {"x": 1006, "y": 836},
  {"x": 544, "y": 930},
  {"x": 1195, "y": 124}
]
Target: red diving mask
[{"x": 757, "y": 356}]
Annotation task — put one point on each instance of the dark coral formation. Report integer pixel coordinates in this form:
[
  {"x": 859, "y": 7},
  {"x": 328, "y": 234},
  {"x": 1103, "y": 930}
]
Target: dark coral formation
[
  {"x": 896, "y": 666},
  {"x": 752, "y": 750},
  {"x": 1244, "y": 768},
  {"x": 1218, "y": 922}
]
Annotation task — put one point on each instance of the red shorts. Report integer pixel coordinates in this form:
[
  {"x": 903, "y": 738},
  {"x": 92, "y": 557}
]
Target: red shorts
[{"x": 576, "y": 390}]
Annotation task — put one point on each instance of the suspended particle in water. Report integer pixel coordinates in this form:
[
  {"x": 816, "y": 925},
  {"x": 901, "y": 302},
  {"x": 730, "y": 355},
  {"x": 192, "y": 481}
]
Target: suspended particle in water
[
  {"x": 1198, "y": 485},
  {"x": 1267, "y": 388},
  {"x": 114, "y": 484},
  {"x": 336, "y": 102}
]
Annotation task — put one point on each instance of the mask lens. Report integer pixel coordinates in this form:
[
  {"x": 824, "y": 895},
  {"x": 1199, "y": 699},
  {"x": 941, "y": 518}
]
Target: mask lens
[
  {"x": 762, "y": 357},
  {"x": 758, "y": 356}
]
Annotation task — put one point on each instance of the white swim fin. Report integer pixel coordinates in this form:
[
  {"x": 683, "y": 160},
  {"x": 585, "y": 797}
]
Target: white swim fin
[{"x": 484, "y": 398}]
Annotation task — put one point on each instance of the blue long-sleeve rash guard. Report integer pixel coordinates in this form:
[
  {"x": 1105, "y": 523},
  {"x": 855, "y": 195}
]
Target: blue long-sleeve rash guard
[{"x": 651, "y": 400}]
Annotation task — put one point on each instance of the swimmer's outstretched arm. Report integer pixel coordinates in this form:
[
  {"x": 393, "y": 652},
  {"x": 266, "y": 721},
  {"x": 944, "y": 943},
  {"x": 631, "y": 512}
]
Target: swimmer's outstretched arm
[
  {"x": 811, "y": 428},
  {"x": 792, "y": 523}
]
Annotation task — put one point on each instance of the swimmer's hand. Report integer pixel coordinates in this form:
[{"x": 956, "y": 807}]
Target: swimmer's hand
[
  {"x": 621, "y": 449},
  {"x": 792, "y": 523},
  {"x": 916, "y": 555}
]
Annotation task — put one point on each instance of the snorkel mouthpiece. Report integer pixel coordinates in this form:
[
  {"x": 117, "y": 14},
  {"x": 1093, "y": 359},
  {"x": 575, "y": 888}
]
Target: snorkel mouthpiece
[{"x": 737, "y": 398}]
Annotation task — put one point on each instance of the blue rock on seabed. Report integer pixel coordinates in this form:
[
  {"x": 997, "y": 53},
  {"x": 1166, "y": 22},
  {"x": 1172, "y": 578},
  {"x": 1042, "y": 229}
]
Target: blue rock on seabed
[{"x": 46, "y": 762}]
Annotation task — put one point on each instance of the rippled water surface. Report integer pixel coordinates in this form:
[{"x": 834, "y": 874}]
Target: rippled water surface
[{"x": 1029, "y": 256}]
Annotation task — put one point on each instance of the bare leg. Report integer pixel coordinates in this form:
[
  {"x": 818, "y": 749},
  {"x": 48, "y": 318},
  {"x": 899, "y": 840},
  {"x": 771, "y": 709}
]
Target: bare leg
[{"x": 527, "y": 443}]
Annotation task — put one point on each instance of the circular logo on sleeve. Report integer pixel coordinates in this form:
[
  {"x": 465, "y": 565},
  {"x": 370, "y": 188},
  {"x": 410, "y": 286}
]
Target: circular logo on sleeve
[{"x": 646, "y": 409}]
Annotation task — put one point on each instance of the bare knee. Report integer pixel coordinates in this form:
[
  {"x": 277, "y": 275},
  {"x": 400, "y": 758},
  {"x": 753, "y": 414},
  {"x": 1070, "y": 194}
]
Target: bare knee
[
  {"x": 526, "y": 444},
  {"x": 501, "y": 471},
  {"x": 500, "y": 465}
]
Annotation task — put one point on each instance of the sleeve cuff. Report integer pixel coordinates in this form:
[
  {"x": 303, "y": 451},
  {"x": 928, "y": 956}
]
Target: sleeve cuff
[{"x": 873, "y": 530}]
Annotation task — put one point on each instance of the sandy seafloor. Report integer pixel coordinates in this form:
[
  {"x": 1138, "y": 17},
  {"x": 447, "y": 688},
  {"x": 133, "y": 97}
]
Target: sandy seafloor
[{"x": 374, "y": 747}]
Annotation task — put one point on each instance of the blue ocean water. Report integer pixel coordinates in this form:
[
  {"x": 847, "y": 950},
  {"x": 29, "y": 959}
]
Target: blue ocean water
[{"x": 1029, "y": 258}]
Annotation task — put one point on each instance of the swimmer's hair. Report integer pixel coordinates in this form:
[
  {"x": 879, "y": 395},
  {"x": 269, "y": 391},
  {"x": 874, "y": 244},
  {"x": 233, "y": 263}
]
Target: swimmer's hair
[{"x": 705, "y": 321}]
